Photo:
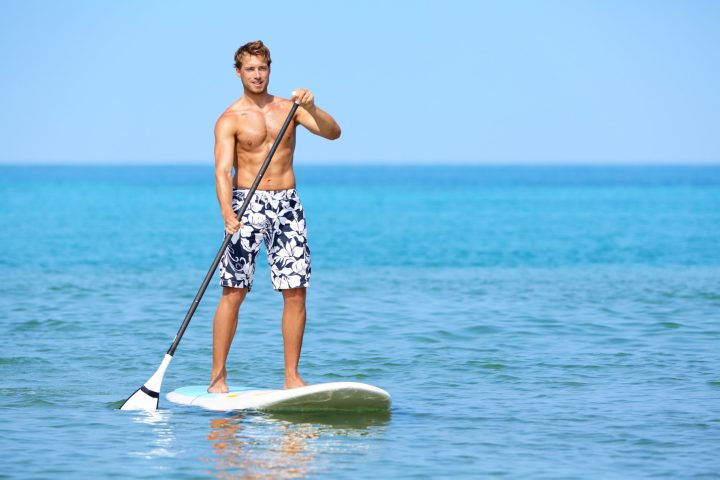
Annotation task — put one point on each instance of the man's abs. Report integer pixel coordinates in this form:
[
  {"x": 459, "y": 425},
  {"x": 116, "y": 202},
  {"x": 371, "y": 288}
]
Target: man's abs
[{"x": 278, "y": 176}]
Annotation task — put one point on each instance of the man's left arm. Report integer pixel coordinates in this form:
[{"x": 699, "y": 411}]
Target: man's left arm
[{"x": 312, "y": 117}]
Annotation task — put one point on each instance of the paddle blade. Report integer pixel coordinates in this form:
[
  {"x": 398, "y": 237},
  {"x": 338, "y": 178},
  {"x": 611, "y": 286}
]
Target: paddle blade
[
  {"x": 147, "y": 397},
  {"x": 142, "y": 399}
]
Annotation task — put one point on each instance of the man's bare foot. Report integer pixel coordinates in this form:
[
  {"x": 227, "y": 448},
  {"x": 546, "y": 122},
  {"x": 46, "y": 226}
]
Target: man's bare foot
[
  {"x": 294, "y": 381},
  {"x": 217, "y": 383},
  {"x": 218, "y": 387}
]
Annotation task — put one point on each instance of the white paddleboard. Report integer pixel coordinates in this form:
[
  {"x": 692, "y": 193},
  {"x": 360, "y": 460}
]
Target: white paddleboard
[{"x": 321, "y": 396}]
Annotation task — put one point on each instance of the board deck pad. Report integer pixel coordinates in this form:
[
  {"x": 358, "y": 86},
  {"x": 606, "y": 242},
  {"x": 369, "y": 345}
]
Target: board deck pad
[{"x": 318, "y": 397}]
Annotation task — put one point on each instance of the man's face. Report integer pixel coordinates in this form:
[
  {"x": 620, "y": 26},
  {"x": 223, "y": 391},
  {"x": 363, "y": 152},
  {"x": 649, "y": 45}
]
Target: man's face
[{"x": 254, "y": 73}]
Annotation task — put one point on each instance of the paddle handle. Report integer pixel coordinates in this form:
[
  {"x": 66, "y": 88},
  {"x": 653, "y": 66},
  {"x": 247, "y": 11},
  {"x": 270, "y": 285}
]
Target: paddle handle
[{"x": 226, "y": 242}]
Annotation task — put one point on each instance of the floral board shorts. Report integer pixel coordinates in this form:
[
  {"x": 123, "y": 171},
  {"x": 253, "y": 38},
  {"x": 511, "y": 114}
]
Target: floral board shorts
[{"x": 277, "y": 217}]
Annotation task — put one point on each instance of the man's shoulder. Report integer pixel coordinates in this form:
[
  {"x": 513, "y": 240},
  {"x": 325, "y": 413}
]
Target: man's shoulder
[
  {"x": 228, "y": 121},
  {"x": 232, "y": 114},
  {"x": 281, "y": 100},
  {"x": 225, "y": 120},
  {"x": 281, "y": 104}
]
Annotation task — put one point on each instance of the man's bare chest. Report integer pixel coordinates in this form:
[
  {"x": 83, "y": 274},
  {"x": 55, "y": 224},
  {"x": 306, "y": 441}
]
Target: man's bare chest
[{"x": 256, "y": 130}]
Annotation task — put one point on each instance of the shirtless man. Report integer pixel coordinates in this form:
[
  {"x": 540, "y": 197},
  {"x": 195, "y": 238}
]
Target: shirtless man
[{"x": 244, "y": 134}]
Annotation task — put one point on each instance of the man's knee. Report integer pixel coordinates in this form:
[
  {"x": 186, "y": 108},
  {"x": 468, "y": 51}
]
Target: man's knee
[
  {"x": 234, "y": 295},
  {"x": 294, "y": 295}
]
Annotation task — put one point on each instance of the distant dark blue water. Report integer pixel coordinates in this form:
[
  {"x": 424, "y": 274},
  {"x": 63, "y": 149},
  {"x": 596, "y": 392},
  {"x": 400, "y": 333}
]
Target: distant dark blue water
[{"x": 530, "y": 322}]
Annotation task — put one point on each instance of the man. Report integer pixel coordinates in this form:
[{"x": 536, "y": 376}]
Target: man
[{"x": 244, "y": 134}]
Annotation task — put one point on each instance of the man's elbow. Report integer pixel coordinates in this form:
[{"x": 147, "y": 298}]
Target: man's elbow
[
  {"x": 334, "y": 133},
  {"x": 223, "y": 171}
]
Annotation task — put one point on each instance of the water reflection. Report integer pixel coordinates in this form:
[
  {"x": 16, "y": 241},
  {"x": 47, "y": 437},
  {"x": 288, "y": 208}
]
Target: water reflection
[
  {"x": 163, "y": 433},
  {"x": 284, "y": 446}
]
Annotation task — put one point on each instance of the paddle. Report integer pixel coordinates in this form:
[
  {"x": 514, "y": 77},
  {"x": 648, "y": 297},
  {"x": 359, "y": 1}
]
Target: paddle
[{"x": 147, "y": 396}]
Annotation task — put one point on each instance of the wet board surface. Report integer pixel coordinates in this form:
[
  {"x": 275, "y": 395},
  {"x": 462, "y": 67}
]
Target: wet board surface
[{"x": 318, "y": 397}]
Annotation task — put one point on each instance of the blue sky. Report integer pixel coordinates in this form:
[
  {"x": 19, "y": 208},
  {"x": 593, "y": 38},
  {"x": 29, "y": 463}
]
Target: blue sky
[{"x": 501, "y": 82}]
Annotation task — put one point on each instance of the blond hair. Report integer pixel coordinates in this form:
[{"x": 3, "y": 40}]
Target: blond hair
[{"x": 256, "y": 48}]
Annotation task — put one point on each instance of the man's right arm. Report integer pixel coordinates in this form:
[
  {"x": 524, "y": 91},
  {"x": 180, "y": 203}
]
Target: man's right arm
[{"x": 224, "y": 160}]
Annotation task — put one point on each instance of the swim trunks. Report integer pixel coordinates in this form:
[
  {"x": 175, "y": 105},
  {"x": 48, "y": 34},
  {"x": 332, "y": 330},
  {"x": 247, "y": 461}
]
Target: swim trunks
[{"x": 277, "y": 217}]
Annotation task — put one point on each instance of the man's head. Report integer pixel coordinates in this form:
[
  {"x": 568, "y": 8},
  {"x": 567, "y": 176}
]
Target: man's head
[{"x": 252, "y": 63}]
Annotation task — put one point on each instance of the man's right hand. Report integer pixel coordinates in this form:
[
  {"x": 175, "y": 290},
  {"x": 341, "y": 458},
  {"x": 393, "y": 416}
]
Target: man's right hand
[{"x": 232, "y": 224}]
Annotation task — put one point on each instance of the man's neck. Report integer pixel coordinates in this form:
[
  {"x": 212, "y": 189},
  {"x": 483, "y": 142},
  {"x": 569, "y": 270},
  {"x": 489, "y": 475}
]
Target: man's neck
[{"x": 258, "y": 99}]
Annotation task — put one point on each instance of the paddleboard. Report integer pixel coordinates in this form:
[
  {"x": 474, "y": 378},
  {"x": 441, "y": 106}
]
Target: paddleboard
[{"x": 321, "y": 396}]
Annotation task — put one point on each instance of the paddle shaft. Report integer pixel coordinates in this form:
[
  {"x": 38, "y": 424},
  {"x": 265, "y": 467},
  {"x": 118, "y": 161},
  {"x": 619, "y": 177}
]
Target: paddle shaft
[{"x": 216, "y": 262}]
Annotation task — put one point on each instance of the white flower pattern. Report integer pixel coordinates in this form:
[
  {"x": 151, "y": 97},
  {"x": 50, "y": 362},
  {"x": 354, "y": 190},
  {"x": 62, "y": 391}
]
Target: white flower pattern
[{"x": 277, "y": 217}]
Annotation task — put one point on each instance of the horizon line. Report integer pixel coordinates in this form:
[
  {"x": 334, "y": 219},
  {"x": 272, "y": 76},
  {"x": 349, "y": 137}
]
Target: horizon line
[{"x": 376, "y": 163}]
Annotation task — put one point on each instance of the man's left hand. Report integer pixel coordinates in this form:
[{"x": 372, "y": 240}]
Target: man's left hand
[{"x": 304, "y": 98}]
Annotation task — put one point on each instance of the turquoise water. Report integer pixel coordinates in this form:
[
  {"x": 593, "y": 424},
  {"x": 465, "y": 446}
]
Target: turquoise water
[{"x": 530, "y": 322}]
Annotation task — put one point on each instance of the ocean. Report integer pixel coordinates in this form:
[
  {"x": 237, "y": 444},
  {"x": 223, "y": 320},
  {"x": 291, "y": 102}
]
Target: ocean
[{"x": 529, "y": 322}]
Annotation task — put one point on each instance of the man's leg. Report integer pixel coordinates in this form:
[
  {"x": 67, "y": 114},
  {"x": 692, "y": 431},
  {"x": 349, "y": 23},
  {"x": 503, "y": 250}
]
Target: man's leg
[
  {"x": 224, "y": 326},
  {"x": 293, "y": 328}
]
